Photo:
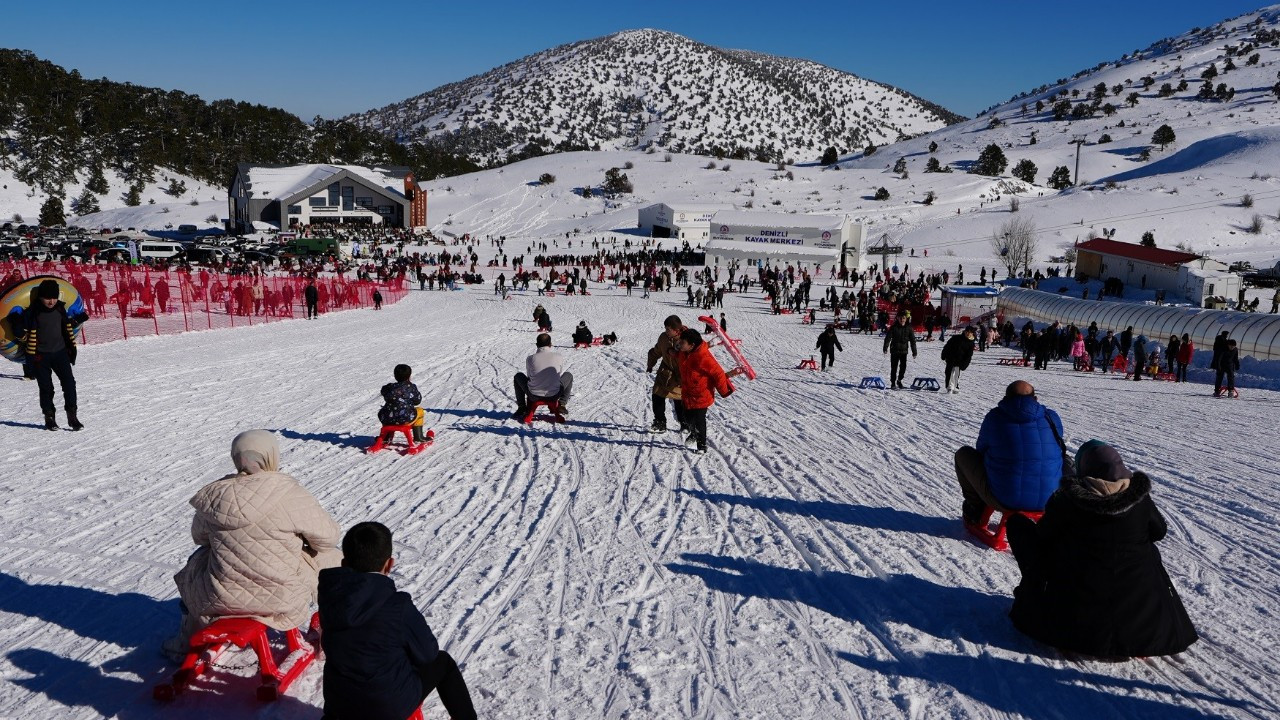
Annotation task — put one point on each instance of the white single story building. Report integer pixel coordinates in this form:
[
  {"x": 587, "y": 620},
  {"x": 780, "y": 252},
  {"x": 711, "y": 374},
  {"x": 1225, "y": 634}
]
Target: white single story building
[
  {"x": 287, "y": 196},
  {"x": 682, "y": 221},
  {"x": 1188, "y": 275},
  {"x": 762, "y": 238}
]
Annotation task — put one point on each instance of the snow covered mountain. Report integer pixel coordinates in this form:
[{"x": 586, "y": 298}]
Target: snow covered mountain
[{"x": 651, "y": 88}]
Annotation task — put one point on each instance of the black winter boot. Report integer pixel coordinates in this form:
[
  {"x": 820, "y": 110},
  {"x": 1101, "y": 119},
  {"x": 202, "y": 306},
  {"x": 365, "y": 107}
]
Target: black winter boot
[
  {"x": 50, "y": 422},
  {"x": 73, "y": 422},
  {"x": 417, "y": 434}
]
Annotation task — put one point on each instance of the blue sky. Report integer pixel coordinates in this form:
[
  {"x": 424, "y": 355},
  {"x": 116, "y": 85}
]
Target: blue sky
[{"x": 334, "y": 58}]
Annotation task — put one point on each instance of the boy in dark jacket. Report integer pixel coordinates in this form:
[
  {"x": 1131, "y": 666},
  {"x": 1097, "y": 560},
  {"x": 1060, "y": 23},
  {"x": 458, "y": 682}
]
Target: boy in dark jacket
[
  {"x": 381, "y": 660},
  {"x": 48, "y": 341},
  {"x": 897, "y": 340},
  {"x": 957, "y": 354},
  {"x": 827, "y": 345},
  {"x": 401, "y": 400},
  {"x": 1227, "y": 365}
]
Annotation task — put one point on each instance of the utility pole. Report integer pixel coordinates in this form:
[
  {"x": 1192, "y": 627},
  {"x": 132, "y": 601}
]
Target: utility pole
[{"x": 1078, "y": 140}]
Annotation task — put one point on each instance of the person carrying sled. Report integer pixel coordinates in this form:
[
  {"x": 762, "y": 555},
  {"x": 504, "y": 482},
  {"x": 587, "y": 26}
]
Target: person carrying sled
[
  {"x": 827, "y": 345},
  {"x": 544, "y": 379},
  {"x": 262, "y": 540},
  {"x": 1092, "y": 578},
  {"x": 381, "y": 658},
  {"x": 48, "y": 341},
  {"x": 582, "y": 334},
  {"x": 700, "y": 378},
  {"x": 957, "y": 354},
  {"x": 666, "y": 384},
  {"x": 897, "y": 340},
  {"x": 400, "y": 402},
  {"x": 1017, "y": 461}
]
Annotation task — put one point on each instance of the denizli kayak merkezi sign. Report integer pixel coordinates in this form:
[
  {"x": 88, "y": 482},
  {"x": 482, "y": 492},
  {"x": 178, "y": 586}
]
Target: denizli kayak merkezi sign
[{"x": 810, "y": 237}]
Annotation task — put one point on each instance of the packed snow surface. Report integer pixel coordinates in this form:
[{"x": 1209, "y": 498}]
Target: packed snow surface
[{"x": 811, "y": 565}]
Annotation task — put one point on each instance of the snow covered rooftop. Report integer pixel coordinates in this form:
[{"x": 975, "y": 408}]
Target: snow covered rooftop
[
  {"x": 275, "y": 182},
  {"x": 777, "y": 220}
]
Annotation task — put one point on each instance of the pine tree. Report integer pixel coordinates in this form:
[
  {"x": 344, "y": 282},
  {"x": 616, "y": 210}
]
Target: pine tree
[
  {"x": 616, "y": 182},
  {"x": 1060, "y": 178},
  {"x": 882, "y": 194},
  {"x": 97, "y": 181},
  {"x": 134, "y": 197},
  {"x": 933, "y": 146},
  {"x": 52, "y": 213},
  {"x": 900, "y": 165},
  {"x": 991, "y": 162},
  {"x": 829, "y": 156},
  {"x": 86, "y": 203},
  {"x": 1025, "y": 171},
  {"x": 933, "y": 166},
  {"x": 1148, "y": 239},
  {"x": 1163, "y": 136}
]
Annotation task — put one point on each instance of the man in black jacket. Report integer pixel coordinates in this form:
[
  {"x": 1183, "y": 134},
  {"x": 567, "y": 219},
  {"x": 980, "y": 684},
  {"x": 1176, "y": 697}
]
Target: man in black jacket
[
  {"x": 1126, "y": 341},
  {"x": 312, "y": 297},
  {"x": 381, "y": 659},
  {"x": 897, "y": 340},
  {"x": 48, "y": 341},
  {"x": 957, "y": 354},
  {"x": 827, "y": 345}
]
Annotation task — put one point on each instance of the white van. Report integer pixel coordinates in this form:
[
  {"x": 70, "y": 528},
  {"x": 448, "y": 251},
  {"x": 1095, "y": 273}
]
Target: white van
[{"x": 159, "y": 249}]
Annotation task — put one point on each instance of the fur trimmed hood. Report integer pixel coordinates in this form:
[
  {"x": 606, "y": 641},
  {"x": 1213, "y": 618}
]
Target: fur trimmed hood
[{"x": 1080, "y": 493}]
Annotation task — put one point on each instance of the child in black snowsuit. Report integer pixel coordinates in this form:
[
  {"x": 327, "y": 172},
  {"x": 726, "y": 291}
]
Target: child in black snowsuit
[
  {"x": 381, "y": 659},
  {"x": 401, "y": 400}
]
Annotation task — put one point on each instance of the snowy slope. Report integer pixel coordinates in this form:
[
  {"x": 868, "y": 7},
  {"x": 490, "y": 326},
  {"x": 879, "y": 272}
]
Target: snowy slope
[
  {"x": 638, "y": 88},
  {"x": 811, "y": 565}
]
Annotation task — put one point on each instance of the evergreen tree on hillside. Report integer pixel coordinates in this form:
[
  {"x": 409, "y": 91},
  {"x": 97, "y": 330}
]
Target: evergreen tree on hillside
[
  {"x": 133, "y": 197},
  {"x": 97, "y": 181},
  {"x": 933, "y": 146},
  {"x": 932, "y": 165},
  {"x": 52, "y": 213},
  {"x": 86, "y": 203},
  {"x": 1163, "y": 136},
  {"x": 991, "y": 162},
  {"x": 1148, "y": 239},
  {"x": 616, "y": 182},
  {"x": 1060, "y": 178},
  {"x": 1025, "y": 171},
  {"x": 829, "y": 156},
  {"x": 900, "y": 165}
]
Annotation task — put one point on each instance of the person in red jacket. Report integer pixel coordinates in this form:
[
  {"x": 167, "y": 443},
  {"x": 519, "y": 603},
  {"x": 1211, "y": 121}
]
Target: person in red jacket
[
  {"x": 700, "y": 378},
  {"x": 1186, "y": 351}
]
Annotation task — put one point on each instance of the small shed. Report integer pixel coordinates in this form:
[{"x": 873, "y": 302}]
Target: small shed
[{"x": 964, "y": 303}]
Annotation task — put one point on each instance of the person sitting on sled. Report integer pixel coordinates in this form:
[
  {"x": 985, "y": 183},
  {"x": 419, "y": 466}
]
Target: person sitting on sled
[
  {"x": 381, "y": 658},
  {"x": 262, "y": 541},
  {"x": 582, "y": 335},
  {"x": 544, "y": 379},
  {"x": 401, "y": 402}
]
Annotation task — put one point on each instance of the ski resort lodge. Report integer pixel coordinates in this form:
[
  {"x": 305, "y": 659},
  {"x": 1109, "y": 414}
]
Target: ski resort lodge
[
  {"x": 680, "y": 221},
  {"x": 285, "y": 196},
  {"x": 780, "y": 238},
  {"x": 1191, "y": 276}
]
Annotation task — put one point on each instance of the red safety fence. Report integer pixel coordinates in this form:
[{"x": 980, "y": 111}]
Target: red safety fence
[{"x": 125, "y": 301}]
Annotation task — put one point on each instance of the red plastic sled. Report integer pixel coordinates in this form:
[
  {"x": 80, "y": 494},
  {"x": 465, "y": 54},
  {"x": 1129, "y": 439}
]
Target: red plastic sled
[
  {"x": 730, "y": 345},
  {"x": 552, "y": 406},
  {"x": 995, "y": 539},
  {"x": 387, "y": 433},
  {"x": 208, "y": 644}
]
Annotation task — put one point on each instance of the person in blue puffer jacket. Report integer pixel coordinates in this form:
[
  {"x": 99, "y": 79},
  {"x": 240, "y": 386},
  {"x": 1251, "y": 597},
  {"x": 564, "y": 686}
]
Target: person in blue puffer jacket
[{"x": 1018, "y": 461}]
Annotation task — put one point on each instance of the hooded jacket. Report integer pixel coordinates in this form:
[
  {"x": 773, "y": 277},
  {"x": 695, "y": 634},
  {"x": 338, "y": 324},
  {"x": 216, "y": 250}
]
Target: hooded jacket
[
  {"x": 667, "y": 382},
  {"x": 958, "y": 352},
  {"x": 401, "y": 403},
  {"x": 30, "y": 337},
  {"x": 1021, "y": 453},
  {"x": 1102, "y": 589},
  {"x": 898, "y": 339},
  {"x": 262, "y": 540},
  {"x": 374, "y": 639},
  {"x": 700, "y": 374}
]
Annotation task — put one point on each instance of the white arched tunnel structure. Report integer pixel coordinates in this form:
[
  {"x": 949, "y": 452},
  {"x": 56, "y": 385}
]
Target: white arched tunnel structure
[{"x": 1257, "y": 334}]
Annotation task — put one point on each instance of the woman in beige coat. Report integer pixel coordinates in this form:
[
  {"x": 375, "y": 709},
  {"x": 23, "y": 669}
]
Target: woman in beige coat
[{"x": 263, "y": 539}]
